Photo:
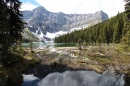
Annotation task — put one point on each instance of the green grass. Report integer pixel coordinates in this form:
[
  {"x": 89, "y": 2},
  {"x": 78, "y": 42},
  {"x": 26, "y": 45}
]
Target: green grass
[{"x": 114, "y": 54}]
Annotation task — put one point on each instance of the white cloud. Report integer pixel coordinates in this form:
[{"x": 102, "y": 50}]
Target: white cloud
[
  {"x": 27, "y": 6},
  {"x": 111, "y": 7}
]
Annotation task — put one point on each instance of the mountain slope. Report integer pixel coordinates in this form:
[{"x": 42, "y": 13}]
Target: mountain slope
[
  {"x": 109, "y": 31},
  {"x": 40, "y": 18},
  {"x": 28, "y": 36}
]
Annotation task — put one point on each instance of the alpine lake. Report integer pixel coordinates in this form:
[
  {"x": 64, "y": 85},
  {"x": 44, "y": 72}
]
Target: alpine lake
[{"x": 43, "y": 45}]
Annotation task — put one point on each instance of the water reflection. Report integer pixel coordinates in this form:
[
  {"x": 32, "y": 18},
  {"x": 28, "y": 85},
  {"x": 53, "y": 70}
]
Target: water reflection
[{"x": 76, "y": 78}]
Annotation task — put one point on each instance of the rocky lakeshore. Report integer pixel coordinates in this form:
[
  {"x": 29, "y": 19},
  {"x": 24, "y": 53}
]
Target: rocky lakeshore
[{"x": 63, "y": 59}]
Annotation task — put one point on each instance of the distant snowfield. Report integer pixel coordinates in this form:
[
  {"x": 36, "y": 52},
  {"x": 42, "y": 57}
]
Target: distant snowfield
[
  {"x": 59, "y": 33},
  {"x": 39, "y": 34},
  {"x": 53, "y": 35},
  {"x": 75, "y": 78}
]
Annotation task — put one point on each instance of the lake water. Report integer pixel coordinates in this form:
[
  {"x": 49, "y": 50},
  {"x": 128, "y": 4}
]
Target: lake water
[
  {"x": 76, "y": 78},
  {"x": 47, "y": 44}
]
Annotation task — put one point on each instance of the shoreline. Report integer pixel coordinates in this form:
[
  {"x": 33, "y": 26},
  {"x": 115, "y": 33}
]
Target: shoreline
[{"x": 97, "y": 57}]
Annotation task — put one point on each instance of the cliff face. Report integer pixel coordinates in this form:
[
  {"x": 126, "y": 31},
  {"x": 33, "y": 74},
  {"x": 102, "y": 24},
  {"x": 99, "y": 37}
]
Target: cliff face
[{"x": 40, "y": 18}]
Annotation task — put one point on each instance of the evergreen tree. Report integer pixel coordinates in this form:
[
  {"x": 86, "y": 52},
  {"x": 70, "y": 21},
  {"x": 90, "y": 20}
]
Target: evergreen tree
[
  {"x": 116, "y": 35},
  {"x": 126, "y": 31},
  {"x": 11, "y": 26},
  {"x": 127, "y": 8}
]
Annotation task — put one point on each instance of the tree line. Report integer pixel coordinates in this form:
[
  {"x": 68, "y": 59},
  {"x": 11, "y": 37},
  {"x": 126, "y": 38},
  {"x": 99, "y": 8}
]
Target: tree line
[{"x": 112, "y": 30}]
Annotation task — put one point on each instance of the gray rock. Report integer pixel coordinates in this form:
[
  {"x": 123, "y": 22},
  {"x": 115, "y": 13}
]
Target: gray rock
[{"x": 53, "y": 22}]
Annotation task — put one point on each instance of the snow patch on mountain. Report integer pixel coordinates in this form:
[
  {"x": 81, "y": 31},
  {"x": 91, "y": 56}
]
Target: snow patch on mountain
[
  {"x": 56, "y": 34},
  {"x": 47, "y": 25}
]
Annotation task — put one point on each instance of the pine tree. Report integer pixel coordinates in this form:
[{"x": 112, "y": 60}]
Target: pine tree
[
  {"x": 127, "y": 8},
  {"x": 116, "y": 35},
  {"x": 126, "y": 31},
  {"x": 11, "y": 26}
]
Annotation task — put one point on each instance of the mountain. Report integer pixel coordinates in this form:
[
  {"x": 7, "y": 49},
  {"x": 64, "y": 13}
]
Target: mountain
[
  {"x": 41, "y": 21},
  {"x": 112, "y": 30},
  {"x": 35, "y": 37},
  {"x": 28, "y": 36}
]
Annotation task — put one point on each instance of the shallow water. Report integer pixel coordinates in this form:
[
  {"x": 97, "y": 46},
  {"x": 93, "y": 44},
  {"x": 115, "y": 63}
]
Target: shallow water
[
  {"x": 76, "y": 78},
  {"x": 43, "y": 45}
]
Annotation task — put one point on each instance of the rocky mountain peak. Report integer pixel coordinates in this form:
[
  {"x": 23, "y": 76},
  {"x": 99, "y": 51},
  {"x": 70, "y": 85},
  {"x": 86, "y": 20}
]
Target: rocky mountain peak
[
  {"x": 40, "y": 9},
  {"x": 101, "y": 15},
  {"x": 100, "y": 11},
  {"x": 40, "y": 18}
]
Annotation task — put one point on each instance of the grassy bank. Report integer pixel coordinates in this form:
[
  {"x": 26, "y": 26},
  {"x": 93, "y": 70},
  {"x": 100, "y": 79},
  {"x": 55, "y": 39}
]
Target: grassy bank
[{"x": 115, "y": 55}]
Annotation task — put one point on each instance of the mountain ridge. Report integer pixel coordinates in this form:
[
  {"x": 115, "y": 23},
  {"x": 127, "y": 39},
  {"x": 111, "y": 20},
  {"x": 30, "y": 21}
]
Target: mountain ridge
[{"x": 46, "y": 21}]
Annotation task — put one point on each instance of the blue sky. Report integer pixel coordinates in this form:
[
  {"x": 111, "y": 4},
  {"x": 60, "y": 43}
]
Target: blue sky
[
  {"x": 30, "y": 1},
  {"x": 111, "y": 7}
]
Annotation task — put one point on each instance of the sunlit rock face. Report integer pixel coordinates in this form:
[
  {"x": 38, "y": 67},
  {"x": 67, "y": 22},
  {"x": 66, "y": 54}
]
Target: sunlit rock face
[
  {"x": 76, "y": 78},
  {"x": 40, "y": 19}
]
